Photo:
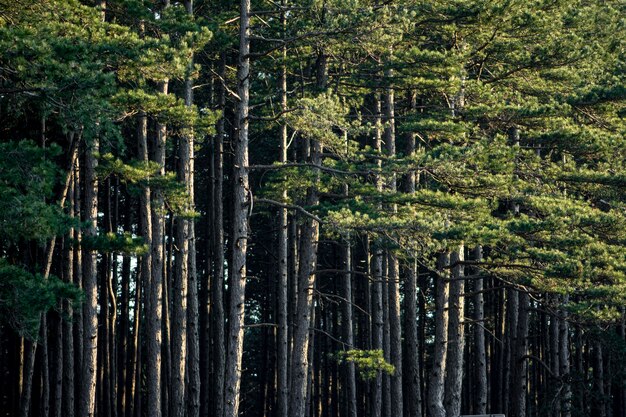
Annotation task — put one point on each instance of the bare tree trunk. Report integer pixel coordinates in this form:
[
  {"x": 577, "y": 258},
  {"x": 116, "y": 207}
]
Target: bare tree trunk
[
  {"x": 241, "y": 206},
  {"x": 377, "y": 286},
  {"x": 79, "y": 337},
  {"x": 456, "y": 335},
  {"x": 90, "y": 279},
  {"x": 193, "y": 335},
  {"x": 283, "y": 244},
  {"x": 348, "y": 332},
  {"x": 147, "y": 226},
  {"x": 217, "y": 285},
  {"x": 306, "y": 281},
  {"x": 395, "y": 336},
  {"x": 599, "y": 406},
  {"x": 479, "y": 340},
  {"x": 519, "y": 361},
  {"x": 564, "y": 361},
  {"x": 134, "y": 365},
  {"x": 67, "y": 400},
  {"x": 58, "y": 360},
  {"x": 413, "y": 395},
  {"x": 438, "y": 373},
  {"x": 554, "y": 357},
  {"x": 90, "y": 283},
  {"x": 510, "y": 331},
  {"x": 45, "y": 368},
  {"x": 179, "y": 296}
]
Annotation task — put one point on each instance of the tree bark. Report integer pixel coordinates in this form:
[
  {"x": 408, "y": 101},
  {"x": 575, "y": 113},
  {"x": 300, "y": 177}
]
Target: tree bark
[
  {"x": 438, "y": 373},
  {"x": 377, "y": 286},
  {"x": 395, "y": 336},
  {"x": 283, "y": 246},
  {"x": 480, "y": 354},
  {"x": 456, "y": 335},
  {"x": 412, "y": 376},
  {"x": 67, "y": 397},
  {"x": 193, "y": 334},
  {"x": 564, "y": 362},
  {"x": 241, "y": 207},
  {"x": 90, "y": 284}
]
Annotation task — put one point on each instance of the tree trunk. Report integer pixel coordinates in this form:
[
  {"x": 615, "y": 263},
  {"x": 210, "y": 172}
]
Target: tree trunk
[
  {"x": 348, "y": 334},
  {"x": 241, "y": 207},
  {"x": 412, "y": 393},
  {"x": 193, "y": 335},
  {"x": 564, "y": 361},
  {"x": 283, "y": 246},
  {"x": 554, "y": 357},
  {"x": 456, "y": 336},
  {"x": 217, "y": 285},
  {"x": 395, "y": 336},
  {"x": 90, "y": 285},
  {"x": 438, "y": 373},
  {"x": 480, "y": 354},
  {"x": 306, "y": 281},
  {"x": 67, "y": 400},
  {"x": 519, "y": 361},
  {"x": 377, "y": 286}
]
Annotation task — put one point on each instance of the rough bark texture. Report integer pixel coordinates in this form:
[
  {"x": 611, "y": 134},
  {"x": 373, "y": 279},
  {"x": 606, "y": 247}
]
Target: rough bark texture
[
  {"x": 193, "y": 333},
  {"x": 438, "y": 372},
  {"x": 480, "y": 354},
  {"x": 68, "y": 390},
  {"x": 348, "y": 333},
  {"x": 217, "y": 284},
  {"x": 395, "y": 336},
  {"x": 456, "y": 335},
  {"x": 306, "y": 280},
  {"x": 241, "y": 207},
  {"x": 377, "y": 285},
  {"x": 564, "y": 362},
  {"x": 90, "y": 285},
  {"x": 283, "y": 267},
  {"x": 519, "y": 360}
]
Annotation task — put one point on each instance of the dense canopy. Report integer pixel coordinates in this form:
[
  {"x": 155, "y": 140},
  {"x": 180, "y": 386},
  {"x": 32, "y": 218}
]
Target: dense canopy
[{"x": 312, "y": 208}]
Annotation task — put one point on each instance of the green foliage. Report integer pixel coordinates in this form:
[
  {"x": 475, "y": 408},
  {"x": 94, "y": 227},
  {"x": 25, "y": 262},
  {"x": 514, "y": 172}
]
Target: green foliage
[
  {"x": 114, "y": 242},
  {"x": 368, "y": 363},
  {"x": 27, "y": 180},
  {"x": 25, "y": 296}
]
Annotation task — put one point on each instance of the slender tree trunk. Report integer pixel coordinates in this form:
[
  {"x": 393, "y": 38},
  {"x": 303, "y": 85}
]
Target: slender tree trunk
[
  {"x": 283, "y": 247},
  {"x": 480, "y": 401},
  {"x": 564, "y": 361},
  {"x": 306, "y": 281},
  {"x": 241, "y": 206},
  {"x": 395, "y": 336},
  {"x": 58, "y": 358},
  {"x": 90, "y": 279},
  {"x": 79, "y": 336},
  {"x": 412, "y": 393},
  {"x": 555, "y": 399},
  {"x": 193, "y": 335},
  {"x": 438, "y": 373},
  {"x": 348, "y": 334},
  {"x": 45, "y": 368},
  {"x": 510, "y": 331},
  {"x": 456, "y": 336},
  {"x": 519, "y": 361},
  {"x": 67, "y": 397},
  {"x": 377, "y": 286},
  {"x": 90, "y": 285},
  {"x": 217, "y": 285}
]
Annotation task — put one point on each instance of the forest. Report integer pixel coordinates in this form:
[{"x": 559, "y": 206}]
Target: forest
[{"x": 312, "y": 208}]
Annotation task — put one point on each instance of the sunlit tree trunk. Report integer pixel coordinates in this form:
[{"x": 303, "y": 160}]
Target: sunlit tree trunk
[{"x": 241, "y": 207}]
